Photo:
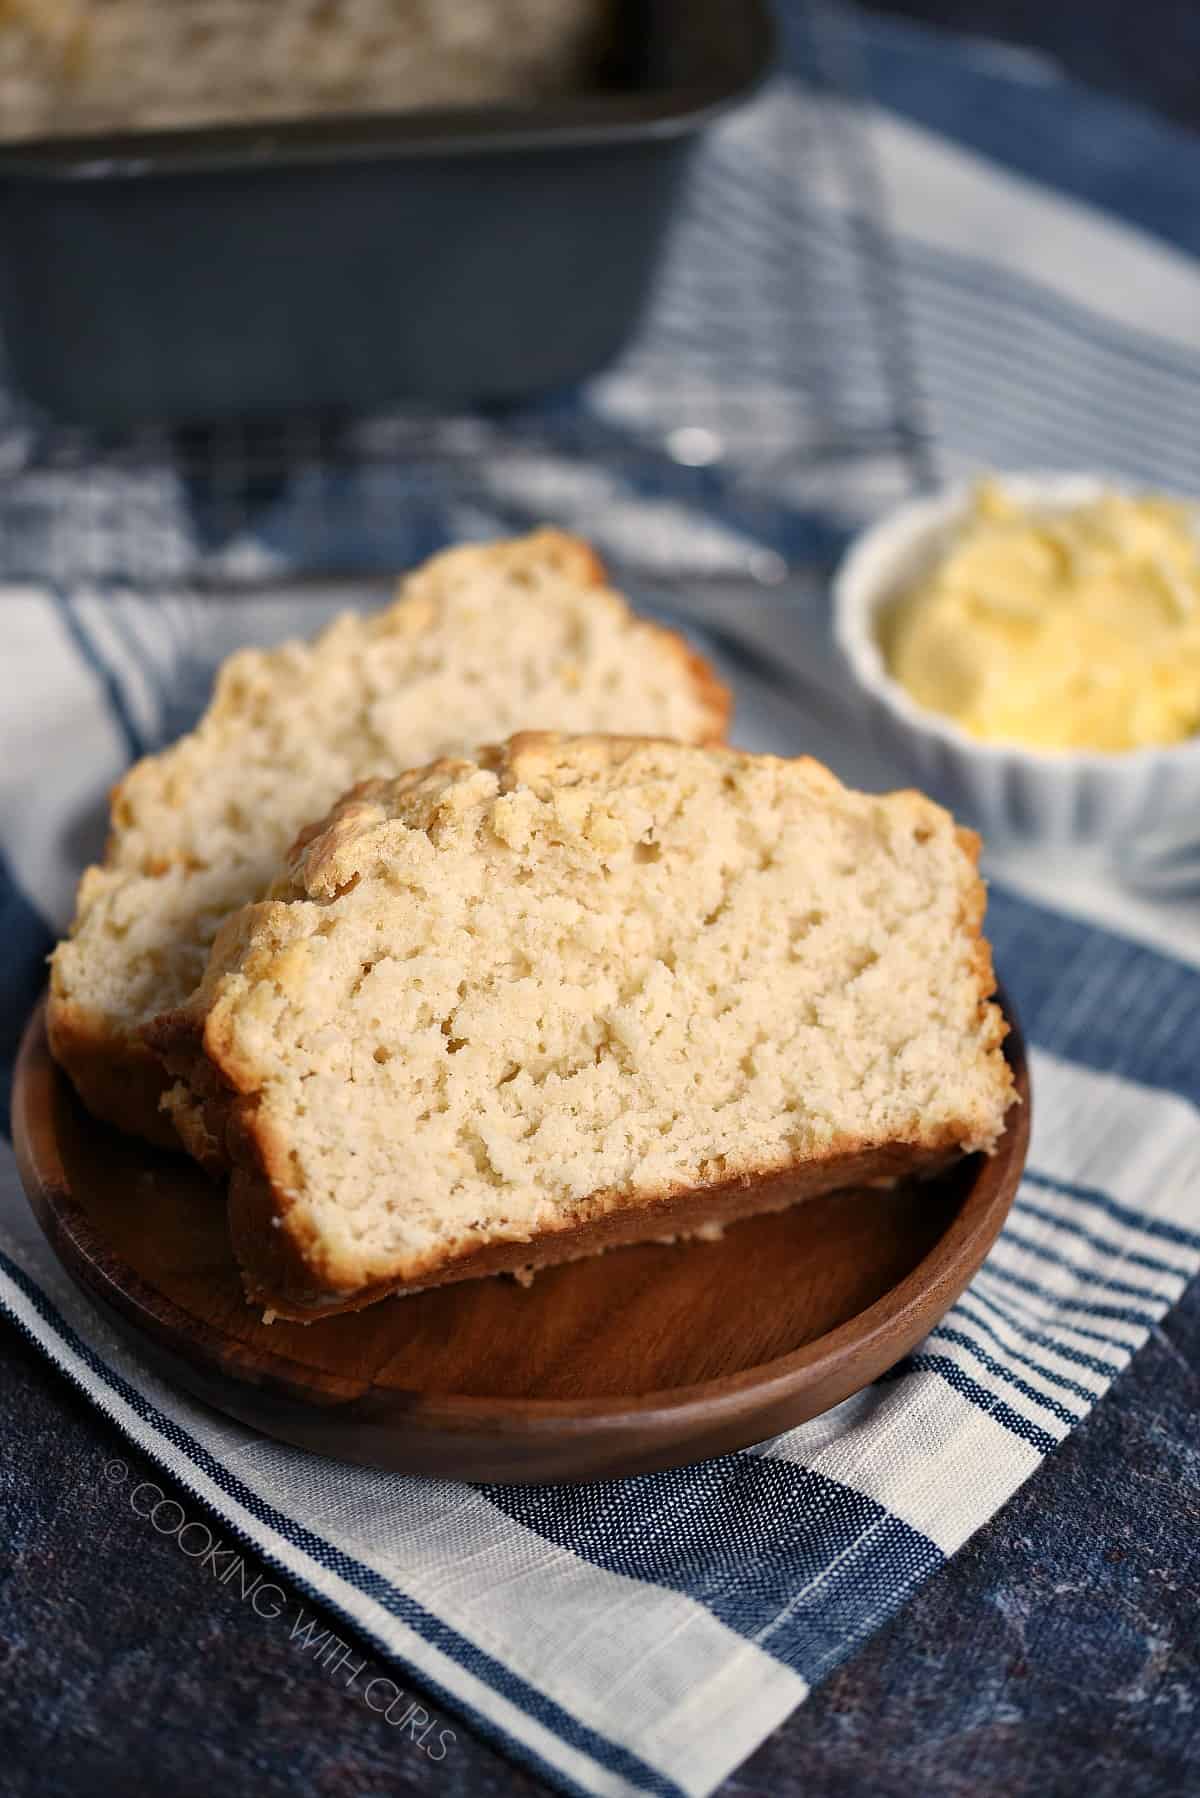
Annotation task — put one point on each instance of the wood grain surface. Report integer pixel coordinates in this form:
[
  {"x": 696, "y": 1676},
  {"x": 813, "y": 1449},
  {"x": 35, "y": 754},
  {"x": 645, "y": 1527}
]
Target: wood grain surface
[{"x": 646, "y": 1357}]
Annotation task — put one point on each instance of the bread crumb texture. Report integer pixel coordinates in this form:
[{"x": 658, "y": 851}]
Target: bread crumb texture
[
  {"x": 481, "y": 641},
  {"x": 496, "y": 995}
]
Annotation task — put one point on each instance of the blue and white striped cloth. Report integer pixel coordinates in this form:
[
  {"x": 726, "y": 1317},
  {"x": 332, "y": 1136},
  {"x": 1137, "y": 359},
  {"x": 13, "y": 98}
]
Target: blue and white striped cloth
[{"x": 907, "y": 258}]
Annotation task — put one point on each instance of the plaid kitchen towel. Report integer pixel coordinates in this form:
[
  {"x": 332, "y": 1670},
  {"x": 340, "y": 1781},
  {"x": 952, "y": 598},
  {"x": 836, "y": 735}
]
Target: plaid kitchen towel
[{"x": 997, "y": 268}]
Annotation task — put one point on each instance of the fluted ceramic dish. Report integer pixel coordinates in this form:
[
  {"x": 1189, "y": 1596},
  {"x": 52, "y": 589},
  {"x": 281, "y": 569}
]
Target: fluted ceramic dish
[{"x": 1007, "y": 789}]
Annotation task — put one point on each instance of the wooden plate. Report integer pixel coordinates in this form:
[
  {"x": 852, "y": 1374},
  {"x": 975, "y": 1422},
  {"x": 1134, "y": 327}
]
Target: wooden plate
[{"x": 646, "y": 1357}]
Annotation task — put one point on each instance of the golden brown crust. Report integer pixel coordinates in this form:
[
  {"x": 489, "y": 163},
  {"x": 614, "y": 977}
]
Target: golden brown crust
[
  {"x": 278, "y": 1263},
  {"x": 714, "y": 696},
  {"x": 972, "y": 917},
  {"x": 118, "y": 1078},
  {"x": 577, "y": 559}
]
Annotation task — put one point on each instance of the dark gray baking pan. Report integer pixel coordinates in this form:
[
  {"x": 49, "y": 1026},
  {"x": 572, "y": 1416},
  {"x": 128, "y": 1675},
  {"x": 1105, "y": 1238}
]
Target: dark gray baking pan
[{"x": 452, "y": 257}]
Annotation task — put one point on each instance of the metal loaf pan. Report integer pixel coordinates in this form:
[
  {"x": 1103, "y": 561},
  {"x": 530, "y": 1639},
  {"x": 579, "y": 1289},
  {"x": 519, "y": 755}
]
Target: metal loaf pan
[{"x": 452, "y": 257}]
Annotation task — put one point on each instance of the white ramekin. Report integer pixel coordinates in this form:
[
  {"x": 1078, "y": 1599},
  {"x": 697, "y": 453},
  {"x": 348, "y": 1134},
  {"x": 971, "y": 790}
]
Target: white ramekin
[{"x": 1055, "y": 795}]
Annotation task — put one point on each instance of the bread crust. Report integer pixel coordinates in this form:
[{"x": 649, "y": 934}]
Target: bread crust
[
  {"x": 714, "y": 696},
  {"x": 278, "y": 1267},
  {"x": 117, "y": 1075}
]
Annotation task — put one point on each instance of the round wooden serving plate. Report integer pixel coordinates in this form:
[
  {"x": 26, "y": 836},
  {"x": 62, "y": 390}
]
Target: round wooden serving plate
[{"x": 642, "y": 1358}]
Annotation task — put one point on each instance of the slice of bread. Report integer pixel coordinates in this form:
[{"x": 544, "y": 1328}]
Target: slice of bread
[
  {"x": 580, "y": 991},
  {"x": 481, "y": 641}
]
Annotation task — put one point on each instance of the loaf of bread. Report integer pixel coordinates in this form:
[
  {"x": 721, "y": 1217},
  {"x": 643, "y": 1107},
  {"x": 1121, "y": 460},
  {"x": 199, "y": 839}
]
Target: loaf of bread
[
  {"x": 573, "y": 992},
  {"x": 73, "y": 66},
  {"x": 481, "y": 641}
]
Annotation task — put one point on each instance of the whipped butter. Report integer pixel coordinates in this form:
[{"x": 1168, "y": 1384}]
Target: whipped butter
[{"x": 1065, "y": 628}]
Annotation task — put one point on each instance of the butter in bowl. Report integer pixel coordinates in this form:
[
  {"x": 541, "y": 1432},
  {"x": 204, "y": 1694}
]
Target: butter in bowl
[{"x": 1028, "y": 647}]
